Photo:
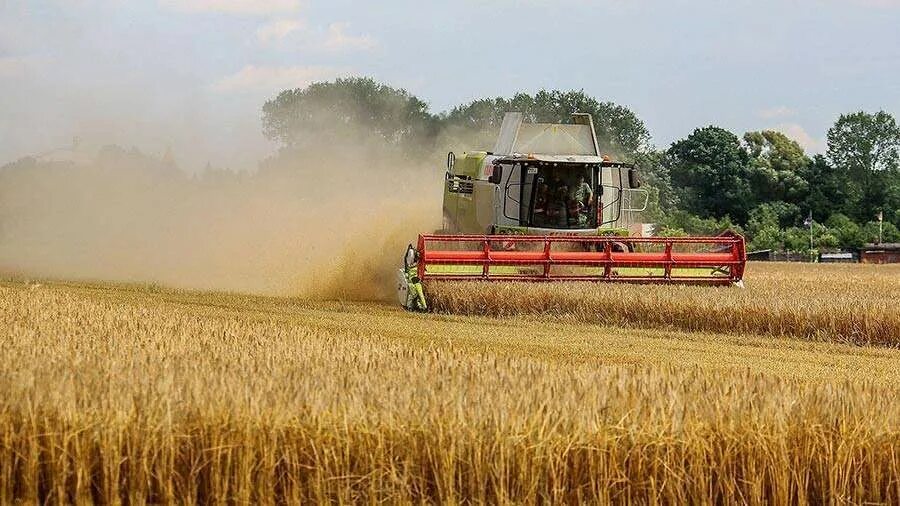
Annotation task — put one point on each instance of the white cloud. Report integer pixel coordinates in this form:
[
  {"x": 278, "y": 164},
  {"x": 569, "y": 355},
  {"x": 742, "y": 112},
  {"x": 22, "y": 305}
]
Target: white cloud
[
  {"x": 776, "y": 112},
  {"x": 799, "y": 134},
  {"x": 252, "y": 7},
  {"x": 279, "y": 29},
  {"x": 337, "y": 39},
  {"x": 265, "y": 79}
]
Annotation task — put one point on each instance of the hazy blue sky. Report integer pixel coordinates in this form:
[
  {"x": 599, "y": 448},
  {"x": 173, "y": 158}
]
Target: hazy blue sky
[{"x": 193, "y": 74}]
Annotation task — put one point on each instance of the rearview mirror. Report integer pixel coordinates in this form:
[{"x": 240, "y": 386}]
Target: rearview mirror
[
  {"x": 496, "y": 174},
  {"x": 451, "y": 162},
  {"x": 633, "y": 180}
]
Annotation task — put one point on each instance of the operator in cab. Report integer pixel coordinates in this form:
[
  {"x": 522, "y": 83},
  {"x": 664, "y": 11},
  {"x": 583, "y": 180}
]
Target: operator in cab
[
  {"x": 557, "y": 210},
  {"x": 580, "y": 200},
  {"x": 541, "y": 203}
]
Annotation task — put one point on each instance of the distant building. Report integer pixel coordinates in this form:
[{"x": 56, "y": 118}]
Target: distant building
[
  {"x": 884, "y": 253},
  {"x": 642, "y": 229},
  {"x": 763, "y": 255},
  {"x": 837, "y": 257}
]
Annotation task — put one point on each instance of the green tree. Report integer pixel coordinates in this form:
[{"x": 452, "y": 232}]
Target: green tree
[
  {"x": 657, "y": 180},
  {"x": 619, "y": 131},
  {"x": 764, "y": 226},
  {"x": 777, "y": 166},
  {"x": 828, "y": 240},
  {"x": 827, "y": 190},
  {"x": 777, "y": 214},
  {"x": 867, "y": 147},
  {"x": 711, "y": 170},
  {"x": 762, "y": 217},
  {"x": 889, "y": 232},
  {"x": 849, "y": 235},
  {"x": 683, "y": 222},
  {"x": 348, "y": 108},
  {"x": 768, "y": 237},
  {"x": 796, "y": 240}
]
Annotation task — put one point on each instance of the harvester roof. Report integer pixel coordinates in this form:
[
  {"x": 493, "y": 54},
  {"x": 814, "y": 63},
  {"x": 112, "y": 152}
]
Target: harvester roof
[
  {"x": 538, "y": 157},
  {"x": 574, "y": 142}
]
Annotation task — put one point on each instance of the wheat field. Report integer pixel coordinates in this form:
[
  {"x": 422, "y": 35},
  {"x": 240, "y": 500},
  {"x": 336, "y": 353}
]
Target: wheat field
[
  {"x": 131, "y": 394},
  {"x": 852, "y": 303}
]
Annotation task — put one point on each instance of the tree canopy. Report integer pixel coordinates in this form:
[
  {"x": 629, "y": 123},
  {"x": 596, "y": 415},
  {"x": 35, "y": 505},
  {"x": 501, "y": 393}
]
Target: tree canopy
[
  {"x": 346, "y": 106},
  {"x": 712, "y": 170},
  {"x": 777, "y": 164},
  {"x": 867, "y": 147}
]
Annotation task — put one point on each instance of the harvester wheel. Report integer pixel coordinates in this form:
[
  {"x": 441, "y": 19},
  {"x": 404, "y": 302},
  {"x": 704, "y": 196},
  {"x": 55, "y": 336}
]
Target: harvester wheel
[
  {"x": 627, "y": 246},
  {"x": 618, "y": 247}
]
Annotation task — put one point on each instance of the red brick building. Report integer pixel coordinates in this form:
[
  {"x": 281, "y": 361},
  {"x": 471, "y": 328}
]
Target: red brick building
[{"x": 885, "y": 253}]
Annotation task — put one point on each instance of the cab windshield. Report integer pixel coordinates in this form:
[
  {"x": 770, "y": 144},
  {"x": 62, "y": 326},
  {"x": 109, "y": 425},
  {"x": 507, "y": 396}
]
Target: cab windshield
[{"x": 563, "y": 197}]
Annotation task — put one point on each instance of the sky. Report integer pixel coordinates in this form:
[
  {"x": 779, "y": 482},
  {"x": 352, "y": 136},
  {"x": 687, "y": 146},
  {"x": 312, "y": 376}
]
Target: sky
[{"x": 192, "y": 75}]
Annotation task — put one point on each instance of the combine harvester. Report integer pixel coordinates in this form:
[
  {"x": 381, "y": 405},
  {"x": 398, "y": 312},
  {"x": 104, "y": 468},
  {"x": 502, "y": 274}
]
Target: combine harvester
[{"x": 546, "y": 206}]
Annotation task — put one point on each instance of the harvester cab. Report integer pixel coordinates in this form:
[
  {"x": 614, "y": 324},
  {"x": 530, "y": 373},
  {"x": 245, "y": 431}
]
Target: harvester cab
[
  {"x": 545, "y": 205},
  {"x": 541, "y": 179}
]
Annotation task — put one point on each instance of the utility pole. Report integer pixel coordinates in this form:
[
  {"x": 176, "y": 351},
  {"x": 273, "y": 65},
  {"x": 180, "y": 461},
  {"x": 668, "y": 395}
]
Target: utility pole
[{"x": 809, "y": 223}]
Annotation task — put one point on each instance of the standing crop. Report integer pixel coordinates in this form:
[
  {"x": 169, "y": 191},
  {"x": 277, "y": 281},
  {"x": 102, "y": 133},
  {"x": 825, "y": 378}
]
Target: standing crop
[
  {"x": 120, "y": 394},
  {"x": 844, "y": 303}
]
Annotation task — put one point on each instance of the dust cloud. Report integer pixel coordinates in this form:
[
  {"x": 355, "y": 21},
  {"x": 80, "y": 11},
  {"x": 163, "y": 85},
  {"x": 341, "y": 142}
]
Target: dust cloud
[{"x": 329, "y": 222}]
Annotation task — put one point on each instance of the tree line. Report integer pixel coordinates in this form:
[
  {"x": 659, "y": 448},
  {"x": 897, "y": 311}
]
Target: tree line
[{"x": 762, "y": 183}]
